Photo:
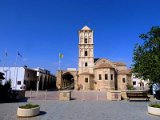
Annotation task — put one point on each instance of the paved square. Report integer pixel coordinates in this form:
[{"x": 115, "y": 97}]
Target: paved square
[{"x": 81, "y": 110}]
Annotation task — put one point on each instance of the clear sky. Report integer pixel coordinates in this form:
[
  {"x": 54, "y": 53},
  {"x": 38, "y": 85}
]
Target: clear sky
[{"x": 40, "y": 29}]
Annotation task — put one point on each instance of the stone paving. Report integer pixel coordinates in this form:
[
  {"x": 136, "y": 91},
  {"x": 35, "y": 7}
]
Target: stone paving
[{"x": 81, "y": 110}]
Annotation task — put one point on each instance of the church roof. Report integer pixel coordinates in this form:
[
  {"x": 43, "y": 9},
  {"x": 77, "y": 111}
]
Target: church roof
[
  {"x": 85, "y": 28},
  {"x": 104, "y": 65},
  {"x": 124, "y": 72},
  {"x": 119, "y": 63},
  {"x": 85, "y": 73},
  {"x": 95, "y": 59}
]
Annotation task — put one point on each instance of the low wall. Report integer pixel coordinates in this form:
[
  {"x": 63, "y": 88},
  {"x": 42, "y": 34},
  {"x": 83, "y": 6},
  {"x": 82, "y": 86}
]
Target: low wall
[
  {"x": 124, "y": 93},
  {"x": 114, "y": 95},
  {"x": 65, "y": 95}
]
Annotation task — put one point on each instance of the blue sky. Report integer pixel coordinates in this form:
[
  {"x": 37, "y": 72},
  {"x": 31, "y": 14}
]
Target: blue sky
[{"x": 40, "y": 29}]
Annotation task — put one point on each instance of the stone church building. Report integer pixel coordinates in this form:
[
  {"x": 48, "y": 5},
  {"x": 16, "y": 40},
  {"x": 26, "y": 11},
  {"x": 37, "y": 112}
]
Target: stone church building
[{"x": 93, "y": 73}]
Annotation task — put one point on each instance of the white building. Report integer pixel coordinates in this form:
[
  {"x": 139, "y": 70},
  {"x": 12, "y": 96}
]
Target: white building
[
  {"x": 37, "y": 78},
  {"x": 139, "y": 83}
]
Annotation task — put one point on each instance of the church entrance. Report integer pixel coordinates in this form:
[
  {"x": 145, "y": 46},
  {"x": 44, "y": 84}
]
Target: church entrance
[{"x": 67, "y": 81}]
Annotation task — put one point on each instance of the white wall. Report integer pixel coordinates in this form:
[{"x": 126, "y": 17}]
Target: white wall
[
  {"x": 13, "y": 74},
  {"x": 137, "y": 81}
]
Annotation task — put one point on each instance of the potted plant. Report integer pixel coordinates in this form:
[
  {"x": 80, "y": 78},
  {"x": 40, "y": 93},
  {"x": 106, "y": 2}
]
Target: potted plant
[
  {"x": 154, "y": 109},
  {"x": 28, "y": 110}
]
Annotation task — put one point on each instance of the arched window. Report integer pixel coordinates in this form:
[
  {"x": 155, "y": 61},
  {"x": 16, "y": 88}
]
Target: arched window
[
  {"x": 124, "y": 80},
  {"x": 85, "y": 40},
  {"x": 86, "y": 64},
  {"x": 106, "y": 76},
  {"x": 111, "y": 76},
  {"x": 85, "y": 53},
  {"x": 86, "y": 80},
  {"x": 100, "y": 77}
]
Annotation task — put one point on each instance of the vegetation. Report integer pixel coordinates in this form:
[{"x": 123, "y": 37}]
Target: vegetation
[
  {"x": 156, "y": 105},
  {"x": 4, "y": 91},
  {"x": 130, "y": 87},
  {"x": 28, "y": 106},
  {"x": 2, "y": 76},
  {"x": 147, "y": 56}
]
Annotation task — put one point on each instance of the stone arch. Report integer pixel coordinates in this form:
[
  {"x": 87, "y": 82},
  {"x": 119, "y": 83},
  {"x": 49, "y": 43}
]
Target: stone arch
[
  {"x": 61, "y": 75},
  {"x": 67, "y": 81}
]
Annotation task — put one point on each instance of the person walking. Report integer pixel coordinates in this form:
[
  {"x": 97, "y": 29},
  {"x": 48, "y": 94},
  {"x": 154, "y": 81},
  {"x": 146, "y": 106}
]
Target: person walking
[{"x": 155, "y": 89}]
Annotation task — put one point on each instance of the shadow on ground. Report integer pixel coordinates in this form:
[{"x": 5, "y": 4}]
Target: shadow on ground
[
  {"x": 14, "y": 101},
  {"x": 42, "y": 113}
]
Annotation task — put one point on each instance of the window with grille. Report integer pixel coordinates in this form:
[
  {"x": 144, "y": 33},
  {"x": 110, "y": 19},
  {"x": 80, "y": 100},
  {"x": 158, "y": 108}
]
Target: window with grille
[
  {"x": 106, "y": 76},
  {"x": 134, "y": 82},
  {"x": 111, "y": 76},
  {"x": 124, "y": 80},
  {"x": 18, "y": 82},
  {"x": 86, "y": 80},
  {"x": 100, "y": 77}
]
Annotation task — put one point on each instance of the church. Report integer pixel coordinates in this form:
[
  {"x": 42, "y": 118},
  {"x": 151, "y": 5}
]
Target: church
[{"x": 93, "y": 73}]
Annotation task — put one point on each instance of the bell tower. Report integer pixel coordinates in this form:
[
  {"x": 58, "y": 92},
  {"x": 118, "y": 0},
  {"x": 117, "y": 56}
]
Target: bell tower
[{"x": 86, "y": 50}]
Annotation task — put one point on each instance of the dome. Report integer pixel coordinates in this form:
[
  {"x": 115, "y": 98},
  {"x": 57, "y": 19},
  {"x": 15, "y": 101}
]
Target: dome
[
  {"x": 124, "y": 72},
  {"x": 104, "y": 65}
]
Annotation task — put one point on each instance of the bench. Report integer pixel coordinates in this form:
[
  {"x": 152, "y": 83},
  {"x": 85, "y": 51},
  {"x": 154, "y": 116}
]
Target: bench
[{"x": 137, "y": 96}]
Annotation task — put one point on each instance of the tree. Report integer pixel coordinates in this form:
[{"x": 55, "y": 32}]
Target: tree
[
  {"x": 1, "y": 76},
  {"x": 147, "y": 56}
]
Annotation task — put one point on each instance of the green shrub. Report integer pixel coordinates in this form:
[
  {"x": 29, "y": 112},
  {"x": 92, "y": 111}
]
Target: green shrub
[
  {"x": 28, "y": 106},
  {"x": 130, "y": 87},
  {"x": 4, "y": 91},
  {"x": 156, "y": 105}
]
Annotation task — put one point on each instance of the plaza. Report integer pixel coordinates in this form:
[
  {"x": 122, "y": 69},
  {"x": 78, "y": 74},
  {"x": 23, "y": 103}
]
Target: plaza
[
  {"x": 79, "y": 60},
  {"x": 80, "y": 109}
]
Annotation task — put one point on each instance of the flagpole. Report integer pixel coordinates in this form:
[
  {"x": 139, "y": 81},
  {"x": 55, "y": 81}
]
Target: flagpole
[
  {"x": 59, "y": 61},
  {"x": 5, "y": 64},
  {"x": 15, "y": 74},
  {"x": 5, "y": 59}
]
